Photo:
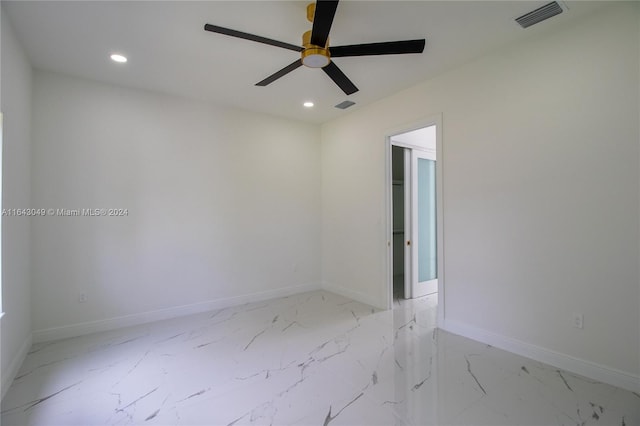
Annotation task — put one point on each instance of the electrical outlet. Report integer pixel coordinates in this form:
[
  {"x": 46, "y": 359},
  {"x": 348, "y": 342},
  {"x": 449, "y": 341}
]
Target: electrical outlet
[
  {"x": 82, "y": 298},
  {"x": 578, "y": 320}
]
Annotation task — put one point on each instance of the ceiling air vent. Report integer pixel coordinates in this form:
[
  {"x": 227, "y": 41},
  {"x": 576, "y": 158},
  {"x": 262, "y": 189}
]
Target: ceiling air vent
[
  {"x": 345, "y": 104},
  {"x": 539, "y": 15}
]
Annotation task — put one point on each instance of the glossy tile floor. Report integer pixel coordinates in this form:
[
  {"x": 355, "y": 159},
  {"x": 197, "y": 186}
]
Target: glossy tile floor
[{"x": 310, "y": 359}]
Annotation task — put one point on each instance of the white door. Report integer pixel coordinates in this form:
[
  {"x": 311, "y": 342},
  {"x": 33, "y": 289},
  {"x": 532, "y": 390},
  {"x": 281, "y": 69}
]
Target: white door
[{"x": 424, "y": 264}]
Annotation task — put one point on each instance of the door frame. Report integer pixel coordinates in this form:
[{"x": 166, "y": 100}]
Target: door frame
[{"x": 435, "y": 120}]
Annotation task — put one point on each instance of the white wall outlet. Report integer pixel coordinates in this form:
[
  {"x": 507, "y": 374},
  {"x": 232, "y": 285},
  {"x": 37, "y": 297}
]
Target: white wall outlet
[
  {"x": 578, "y": 320},
  {"x": 82, "y": 298}
]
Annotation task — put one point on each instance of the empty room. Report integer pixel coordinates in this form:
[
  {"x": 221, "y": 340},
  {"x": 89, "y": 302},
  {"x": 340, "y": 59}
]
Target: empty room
[{"x": 320, "y": 213}]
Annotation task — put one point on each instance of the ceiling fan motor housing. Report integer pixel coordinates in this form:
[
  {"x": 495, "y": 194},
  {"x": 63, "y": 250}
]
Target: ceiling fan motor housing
[{"x": 314, "y": 56}]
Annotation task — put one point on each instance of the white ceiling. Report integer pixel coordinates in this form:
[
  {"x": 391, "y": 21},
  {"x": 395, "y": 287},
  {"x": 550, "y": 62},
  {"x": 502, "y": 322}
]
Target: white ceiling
[{"x": 169, "y": 51}]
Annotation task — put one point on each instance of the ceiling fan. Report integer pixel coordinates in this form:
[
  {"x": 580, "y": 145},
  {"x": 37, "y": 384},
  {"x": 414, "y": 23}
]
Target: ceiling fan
[{"x": 315, "y": 50}]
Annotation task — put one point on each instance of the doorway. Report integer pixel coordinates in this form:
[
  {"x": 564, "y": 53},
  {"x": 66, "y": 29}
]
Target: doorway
[{"x": 415, "y": 213}]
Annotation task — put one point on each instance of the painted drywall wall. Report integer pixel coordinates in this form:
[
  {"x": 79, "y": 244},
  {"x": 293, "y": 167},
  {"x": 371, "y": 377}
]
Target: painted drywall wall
[
  {"x": 540, "y": 160},
  {"x": 220, "y": 203},
  {"x": 16, "y": 83}
]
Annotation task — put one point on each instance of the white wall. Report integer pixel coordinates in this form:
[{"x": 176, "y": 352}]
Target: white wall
[
  {"x": 16, "y": 88},
  {"x": 541, "y": 188},
  {"x": 223, "y": 205}
]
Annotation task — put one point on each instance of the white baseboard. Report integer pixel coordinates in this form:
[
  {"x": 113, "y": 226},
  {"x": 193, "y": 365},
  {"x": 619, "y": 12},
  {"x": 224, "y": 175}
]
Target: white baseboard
[
  {"x": 14, "y": 366},
  {"x": 579, "y": 366},
  {"x": 73, "y": 330},
  {"x": 355, "y": 295}
]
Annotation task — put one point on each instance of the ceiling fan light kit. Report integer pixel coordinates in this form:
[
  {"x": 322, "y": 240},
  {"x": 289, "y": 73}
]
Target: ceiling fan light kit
[{"x": 315, "y": 51}]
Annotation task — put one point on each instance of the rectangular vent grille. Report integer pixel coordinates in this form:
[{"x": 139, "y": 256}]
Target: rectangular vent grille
[
  {"x": 539, "y": 15},
  {"x": 345, "y": 104}
]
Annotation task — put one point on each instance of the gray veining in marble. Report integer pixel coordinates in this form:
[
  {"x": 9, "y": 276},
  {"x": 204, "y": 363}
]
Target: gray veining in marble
[{"x": 310, "y": 359}]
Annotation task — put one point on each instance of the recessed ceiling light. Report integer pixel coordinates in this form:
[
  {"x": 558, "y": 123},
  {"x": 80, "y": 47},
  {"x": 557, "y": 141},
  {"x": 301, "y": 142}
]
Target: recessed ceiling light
[
  {"x": 118, "y": 58},
  {"x": 308, "y": 104}
]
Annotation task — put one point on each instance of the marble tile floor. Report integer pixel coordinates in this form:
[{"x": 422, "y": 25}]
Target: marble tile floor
[{"x": 310, "y": 359}]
